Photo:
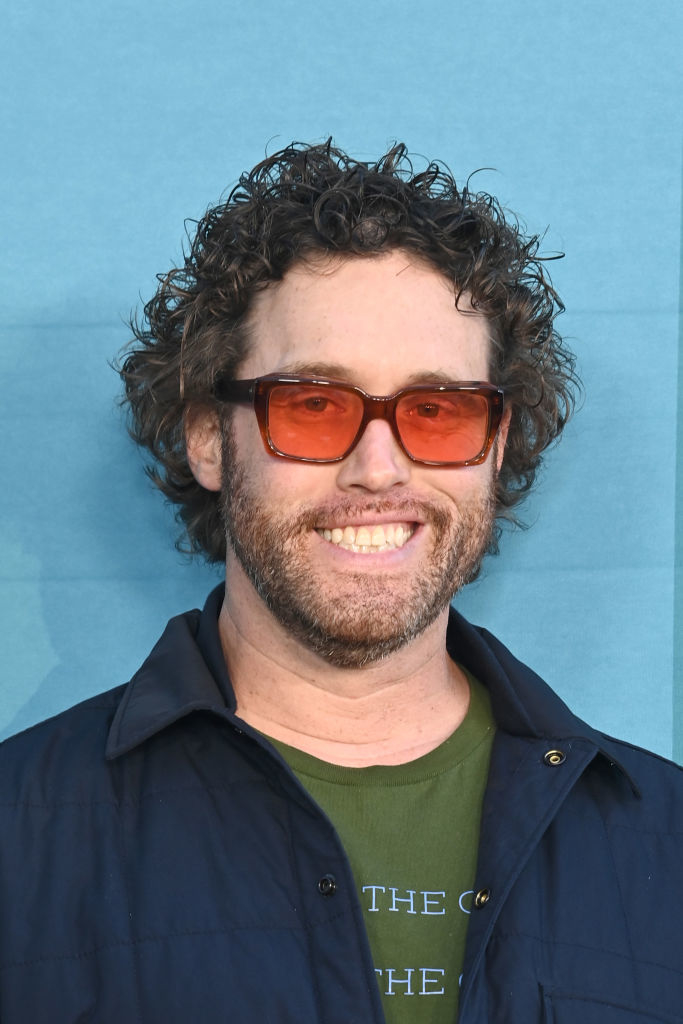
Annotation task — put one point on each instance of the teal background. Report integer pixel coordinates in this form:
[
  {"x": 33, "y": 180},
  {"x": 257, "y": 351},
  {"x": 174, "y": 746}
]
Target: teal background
[{"x": 120, "y": 120}]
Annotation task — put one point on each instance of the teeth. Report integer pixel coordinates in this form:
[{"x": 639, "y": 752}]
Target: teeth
[{"x": 366, "y": 540}]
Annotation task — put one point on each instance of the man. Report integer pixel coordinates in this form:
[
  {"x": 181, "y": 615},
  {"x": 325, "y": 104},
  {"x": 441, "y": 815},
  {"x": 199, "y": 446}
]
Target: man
[{"x": 326, "y": 797}]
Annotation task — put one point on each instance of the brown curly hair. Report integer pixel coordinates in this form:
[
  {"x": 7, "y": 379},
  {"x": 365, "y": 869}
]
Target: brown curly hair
[{"x": 308, "y": 201}]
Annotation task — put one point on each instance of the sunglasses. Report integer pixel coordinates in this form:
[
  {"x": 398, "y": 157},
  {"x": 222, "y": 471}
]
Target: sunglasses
[{"x": 318, "y": 420}]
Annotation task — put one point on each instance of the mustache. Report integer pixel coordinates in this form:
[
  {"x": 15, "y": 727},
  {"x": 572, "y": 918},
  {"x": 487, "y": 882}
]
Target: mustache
[{"x": 398, "y": 510}]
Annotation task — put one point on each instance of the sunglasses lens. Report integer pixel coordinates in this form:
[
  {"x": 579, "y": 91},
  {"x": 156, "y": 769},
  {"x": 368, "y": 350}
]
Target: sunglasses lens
[
  {"x": 309, "y": 421},
  {"x": 321, "y": 422},
  {"x": 443, "y": 426}
]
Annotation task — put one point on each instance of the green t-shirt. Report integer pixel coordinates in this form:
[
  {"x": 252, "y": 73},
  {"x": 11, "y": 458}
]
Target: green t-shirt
[{"x": 411, "y": 833}]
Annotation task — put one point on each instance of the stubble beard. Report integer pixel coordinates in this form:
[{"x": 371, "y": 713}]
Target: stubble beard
[{"x": 351, "y": 619}]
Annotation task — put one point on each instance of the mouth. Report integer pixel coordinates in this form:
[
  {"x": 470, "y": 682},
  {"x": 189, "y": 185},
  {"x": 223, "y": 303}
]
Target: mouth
[{"x": 369, "y": 540}]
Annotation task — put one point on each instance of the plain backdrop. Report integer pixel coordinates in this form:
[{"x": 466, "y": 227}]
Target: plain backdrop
[{"x": 121, "y": 120}]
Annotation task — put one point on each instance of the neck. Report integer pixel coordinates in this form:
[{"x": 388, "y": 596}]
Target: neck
[{"x": 389, "y": 712}]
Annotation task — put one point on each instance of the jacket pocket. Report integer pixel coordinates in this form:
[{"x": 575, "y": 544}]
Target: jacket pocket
[{"x": 567, "y": 1009}]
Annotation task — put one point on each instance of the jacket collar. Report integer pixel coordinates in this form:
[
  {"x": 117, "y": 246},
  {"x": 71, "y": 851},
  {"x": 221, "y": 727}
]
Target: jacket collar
[
  {"x": 522, "y": 703},
  {"x": 186, "y": 672}
]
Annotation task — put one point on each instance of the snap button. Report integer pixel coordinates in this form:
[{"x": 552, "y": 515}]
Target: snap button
[
  {"x": 554, "y": 757},
  {"x": 482, "y": 897},
  {"x": 327, "y": 886}
]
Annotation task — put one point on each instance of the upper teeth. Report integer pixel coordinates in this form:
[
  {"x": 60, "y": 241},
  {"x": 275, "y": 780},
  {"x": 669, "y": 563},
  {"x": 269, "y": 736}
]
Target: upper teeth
[{"x": 369, "y": 538}]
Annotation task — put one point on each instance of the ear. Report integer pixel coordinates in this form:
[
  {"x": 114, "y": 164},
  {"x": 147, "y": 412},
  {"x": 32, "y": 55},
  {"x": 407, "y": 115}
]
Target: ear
[
  {"x": 203, "y": 446},
  {"x": 501, "y": 437}
]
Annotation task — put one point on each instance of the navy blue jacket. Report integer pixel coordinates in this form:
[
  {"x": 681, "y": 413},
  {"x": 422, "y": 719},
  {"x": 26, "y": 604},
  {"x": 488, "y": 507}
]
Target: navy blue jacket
[{"x": 160, "y": 863}]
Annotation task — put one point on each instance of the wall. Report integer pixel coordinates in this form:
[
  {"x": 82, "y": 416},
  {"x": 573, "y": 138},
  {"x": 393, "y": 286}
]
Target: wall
[{"x": 120, "y": 120}]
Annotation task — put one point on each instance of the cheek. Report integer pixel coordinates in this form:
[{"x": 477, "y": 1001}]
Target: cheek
[
  {"x": 243, "y": 430},
  {"x": 281, "y": 484},
  {"x": 466, "y": 482},
  {"x": 244, "y": 449},
  {"x": 291, "y": 484}
]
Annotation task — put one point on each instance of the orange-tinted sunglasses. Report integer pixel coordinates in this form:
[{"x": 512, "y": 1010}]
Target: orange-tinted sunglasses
[{"x": 317, "y": 420}]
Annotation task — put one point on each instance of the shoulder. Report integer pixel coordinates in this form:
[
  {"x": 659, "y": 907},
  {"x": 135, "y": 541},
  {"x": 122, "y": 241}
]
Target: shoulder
[
  {"x": 64, "y": 758},
  {"x": 657, "y": 782},
  {"x": 524, "y": 705},
  {"x": 61, "y": 757}
]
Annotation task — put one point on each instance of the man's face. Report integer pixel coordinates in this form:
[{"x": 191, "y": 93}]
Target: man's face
[{"x": 359, "y": 557}]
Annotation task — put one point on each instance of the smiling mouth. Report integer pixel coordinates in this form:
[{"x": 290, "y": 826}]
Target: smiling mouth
[{"x": 367, "y": 540}]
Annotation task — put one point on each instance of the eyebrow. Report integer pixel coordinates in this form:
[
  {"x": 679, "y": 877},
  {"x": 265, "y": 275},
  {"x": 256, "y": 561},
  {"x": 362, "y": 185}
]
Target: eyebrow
[{"x": 336, "y": 371}]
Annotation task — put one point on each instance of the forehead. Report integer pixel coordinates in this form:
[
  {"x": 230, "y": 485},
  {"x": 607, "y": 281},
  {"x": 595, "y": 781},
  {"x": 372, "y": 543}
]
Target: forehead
[{"x": 377, "y": 320}]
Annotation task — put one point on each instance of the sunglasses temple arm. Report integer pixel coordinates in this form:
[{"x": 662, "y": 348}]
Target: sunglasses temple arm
[{"x": 240, "y": 391}]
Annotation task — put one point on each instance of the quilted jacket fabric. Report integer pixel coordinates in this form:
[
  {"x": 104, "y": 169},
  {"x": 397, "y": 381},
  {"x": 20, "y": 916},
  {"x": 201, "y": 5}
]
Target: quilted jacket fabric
[{"x": 160, "y": 863}]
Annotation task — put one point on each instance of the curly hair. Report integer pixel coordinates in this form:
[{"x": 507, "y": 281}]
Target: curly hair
[{"x": 305, "y": 202}]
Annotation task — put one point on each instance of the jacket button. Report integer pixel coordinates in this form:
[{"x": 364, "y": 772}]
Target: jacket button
[
  {"x": 327, "y": 886},
  {"x": 554, "y": 757},
  {"x": 482, "y": 897}
]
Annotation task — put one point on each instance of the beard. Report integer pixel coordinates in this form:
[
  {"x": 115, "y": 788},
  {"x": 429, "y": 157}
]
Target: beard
[{"x": 351, "y": 619}]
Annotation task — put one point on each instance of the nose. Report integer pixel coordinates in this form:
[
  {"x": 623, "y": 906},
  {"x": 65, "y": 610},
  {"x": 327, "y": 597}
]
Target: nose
[{"x": 376, "y": 463}]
